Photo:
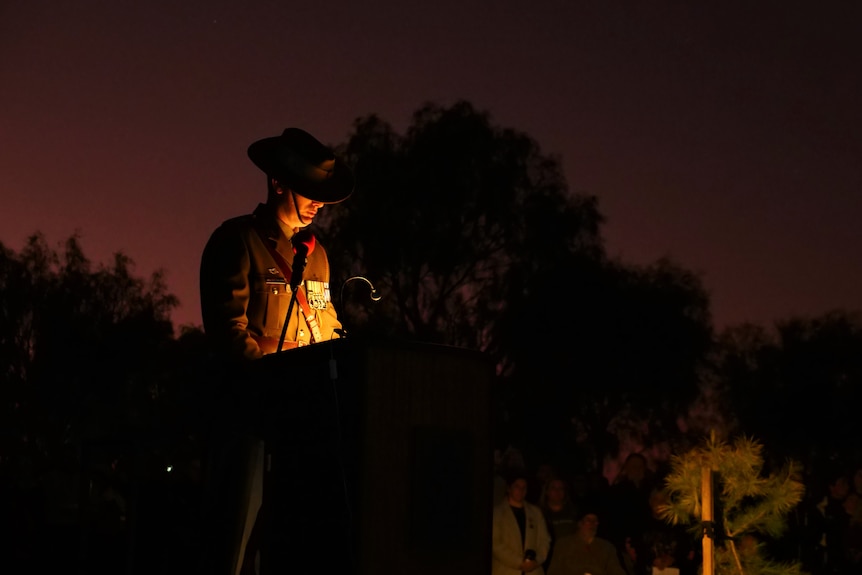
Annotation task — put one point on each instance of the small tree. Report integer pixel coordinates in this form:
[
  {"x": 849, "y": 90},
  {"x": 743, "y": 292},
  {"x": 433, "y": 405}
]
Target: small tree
[{"x": 751, "y": 503}]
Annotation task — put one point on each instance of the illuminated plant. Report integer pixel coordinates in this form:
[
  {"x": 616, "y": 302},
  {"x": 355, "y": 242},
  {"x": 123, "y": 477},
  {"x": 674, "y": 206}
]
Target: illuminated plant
[{"x": 750, "y": 504}]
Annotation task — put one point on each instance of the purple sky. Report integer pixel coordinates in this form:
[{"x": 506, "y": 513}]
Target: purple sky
[{"x": 729, "y": 139}]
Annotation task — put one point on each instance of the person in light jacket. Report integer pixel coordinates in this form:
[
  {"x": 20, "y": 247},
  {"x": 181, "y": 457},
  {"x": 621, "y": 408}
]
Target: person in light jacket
[{"x": 520, "y": 535}]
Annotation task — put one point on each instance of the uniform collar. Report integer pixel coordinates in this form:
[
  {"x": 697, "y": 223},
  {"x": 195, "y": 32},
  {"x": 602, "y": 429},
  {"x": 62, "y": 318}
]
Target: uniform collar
[{"x": 273, "y": 226}]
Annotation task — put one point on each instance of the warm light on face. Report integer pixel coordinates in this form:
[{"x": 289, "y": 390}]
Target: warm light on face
[{"x": 294, "y": 209}]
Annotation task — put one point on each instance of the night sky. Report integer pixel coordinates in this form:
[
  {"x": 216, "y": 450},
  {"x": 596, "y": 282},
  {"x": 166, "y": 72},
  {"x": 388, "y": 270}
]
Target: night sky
[{"x": 725, "y": 135}]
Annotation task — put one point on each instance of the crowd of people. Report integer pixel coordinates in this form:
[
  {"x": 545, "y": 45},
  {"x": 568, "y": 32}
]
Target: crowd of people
[{"x": 549, "y": 523}]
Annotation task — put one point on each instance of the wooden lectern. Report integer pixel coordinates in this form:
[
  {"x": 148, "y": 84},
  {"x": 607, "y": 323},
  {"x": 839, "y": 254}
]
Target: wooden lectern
[{"x": 378, "y": 460}]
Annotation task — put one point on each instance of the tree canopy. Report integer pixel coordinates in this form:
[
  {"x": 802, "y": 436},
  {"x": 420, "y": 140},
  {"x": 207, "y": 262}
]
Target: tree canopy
[
  {"x": 87, "y": 348},
  {"x": 450, "y": 220},
  {"x": 796, "y": 385},
  {"x": 473, "y": 238}
]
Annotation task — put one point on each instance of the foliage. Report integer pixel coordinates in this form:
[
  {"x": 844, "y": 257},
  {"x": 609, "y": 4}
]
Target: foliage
[
  {"x": 629, "y": 360},
  {"x": 473, "y": 238},
  {"x": 805, "y": 370},
  {"x": 80, "y": 345},
  {"x": 751, "y": 502},
  {"x": 448, "y": 221}
]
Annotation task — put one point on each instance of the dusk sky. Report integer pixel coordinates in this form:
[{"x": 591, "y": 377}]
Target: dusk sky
[{"x": 724, "y": 135}]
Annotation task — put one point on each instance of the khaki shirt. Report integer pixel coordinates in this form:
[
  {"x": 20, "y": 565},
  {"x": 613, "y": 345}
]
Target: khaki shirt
[{"x": 245, "y": 296}]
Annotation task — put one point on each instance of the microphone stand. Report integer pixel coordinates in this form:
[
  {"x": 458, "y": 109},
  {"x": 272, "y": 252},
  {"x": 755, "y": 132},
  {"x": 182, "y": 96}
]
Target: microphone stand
[
  {"x": 299, "y": 261},
  {"x": 286, "y": 319}
]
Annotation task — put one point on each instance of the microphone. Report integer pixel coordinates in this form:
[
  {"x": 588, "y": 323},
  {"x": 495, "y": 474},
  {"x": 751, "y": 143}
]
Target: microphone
[
  {"x": 374, "y": 295},
  {"x": 303, "y": 244}
]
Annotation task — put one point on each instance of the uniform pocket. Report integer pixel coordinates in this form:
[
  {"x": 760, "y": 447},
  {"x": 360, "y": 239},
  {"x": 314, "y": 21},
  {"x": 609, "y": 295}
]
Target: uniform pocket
[{"x": 270, "y": 291}]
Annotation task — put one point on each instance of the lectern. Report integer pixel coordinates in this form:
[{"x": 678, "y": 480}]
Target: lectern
[{"x": 378, "y": 459}]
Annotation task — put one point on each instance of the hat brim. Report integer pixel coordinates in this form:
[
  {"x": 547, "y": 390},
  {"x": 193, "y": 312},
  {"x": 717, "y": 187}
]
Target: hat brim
[{"x": 301, "y": 171}]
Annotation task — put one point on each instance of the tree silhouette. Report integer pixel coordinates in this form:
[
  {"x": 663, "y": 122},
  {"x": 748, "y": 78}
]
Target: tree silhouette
[
  {"x": 448, "y": 221},
  {"x": 93, "y": 381},
  {"x": 797, "y": 385},
  {"x": 473, "y": 238},
  {"x": 74, "y": 335},
  {"x": 627, "y": 364}
]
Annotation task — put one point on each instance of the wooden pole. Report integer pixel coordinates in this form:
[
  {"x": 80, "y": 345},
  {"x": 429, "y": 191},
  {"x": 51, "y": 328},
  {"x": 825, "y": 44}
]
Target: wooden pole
[{"x": 707, "y": 520}]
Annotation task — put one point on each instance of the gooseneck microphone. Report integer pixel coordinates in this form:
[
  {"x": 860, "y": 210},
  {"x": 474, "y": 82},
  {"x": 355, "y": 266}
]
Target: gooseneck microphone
[
  {"x": 374, "y": 295},
  {"x": 303, "y": 244}
]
